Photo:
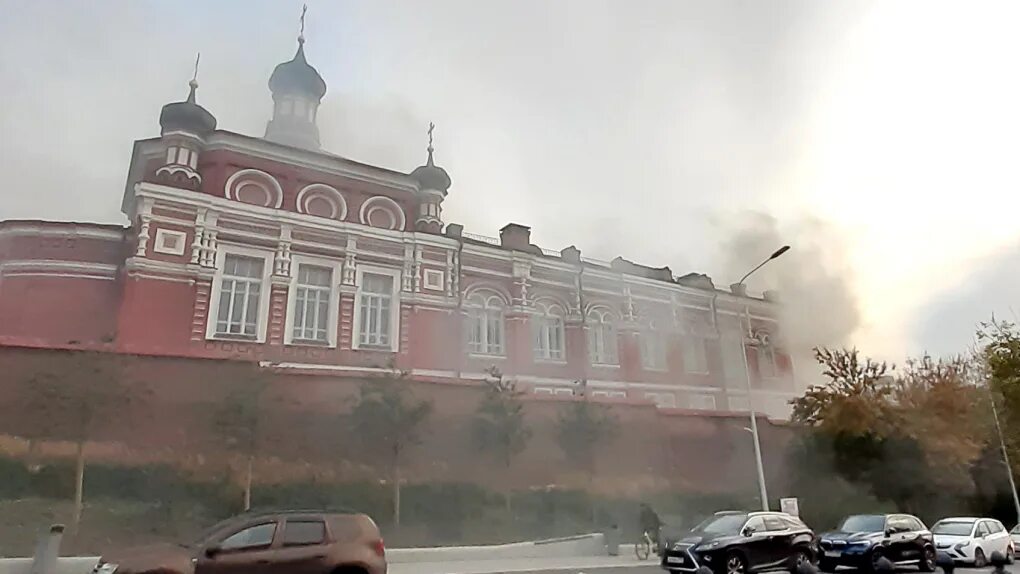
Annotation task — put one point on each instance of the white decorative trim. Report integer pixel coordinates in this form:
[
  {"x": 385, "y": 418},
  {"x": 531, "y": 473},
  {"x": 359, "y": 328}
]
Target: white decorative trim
[
  {"x": 229, "y": 191},
  {"x": 434, "y": 279},
  {"x": 265, "y": 294},
  {"x": 302, "y": 221},
  {"x": 16, "y": 267},
  {"x": 177, "y": 168},
  {"x": 36, "y": 230},
  {"x": 395, "y": 310},
  {"x": 705, "y": 399},
  {"x": 323, "y": 190},
  {"x": 332, "y": 316},
  {"x": 163, "y": 234},
  {"x": 377, "y": 202}
]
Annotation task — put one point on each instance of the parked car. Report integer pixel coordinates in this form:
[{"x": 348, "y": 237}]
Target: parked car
[
  {"x": 742, "y": 543},
  {"x": 1015, "y": 536},
  {"x": 972, "y": 540},
  {"x": 864, "y": 538},
  {"x": 291, "y": 542}
]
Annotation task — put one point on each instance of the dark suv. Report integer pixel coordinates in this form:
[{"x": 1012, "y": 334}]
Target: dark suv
[
  {"x": 742, "y": 543},
  {"x": 288, "y": 542},
  {"x": 864, "y": 538}
]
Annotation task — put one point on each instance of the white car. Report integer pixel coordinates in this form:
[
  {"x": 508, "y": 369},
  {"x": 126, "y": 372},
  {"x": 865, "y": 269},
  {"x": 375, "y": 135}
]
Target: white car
[{"x": 972, "y": 540}]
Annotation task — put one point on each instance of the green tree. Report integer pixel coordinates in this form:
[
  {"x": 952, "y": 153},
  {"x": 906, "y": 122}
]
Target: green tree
[
  {"x": 389, "y": 422},
  {"x": 581, "y": 428},
  {"x": 857, "y": 397},
  {"x": 500, "y": 430},
  {"x": 241, "y": 415},
  {"x": 73, "y": 395}
]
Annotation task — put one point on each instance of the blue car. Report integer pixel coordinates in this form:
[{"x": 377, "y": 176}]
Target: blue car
[{"x": 863, "y": 539}]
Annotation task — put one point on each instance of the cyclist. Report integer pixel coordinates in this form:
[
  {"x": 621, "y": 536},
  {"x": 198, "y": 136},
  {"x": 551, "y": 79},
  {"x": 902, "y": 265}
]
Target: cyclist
[{"x": 651, "y": 524}]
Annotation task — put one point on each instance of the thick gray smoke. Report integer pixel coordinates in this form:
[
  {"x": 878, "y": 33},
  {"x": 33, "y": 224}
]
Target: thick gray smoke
[{"x": 814, "y": 280}]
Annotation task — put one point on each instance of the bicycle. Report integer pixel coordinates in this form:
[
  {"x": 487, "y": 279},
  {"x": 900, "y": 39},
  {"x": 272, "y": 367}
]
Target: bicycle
[{"x": 643, "y": 548}]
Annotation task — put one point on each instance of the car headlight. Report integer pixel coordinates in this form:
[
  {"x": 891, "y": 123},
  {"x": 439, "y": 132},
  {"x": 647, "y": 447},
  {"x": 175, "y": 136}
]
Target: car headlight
[
  {"x": 709, "y": 545},
  {"x": 963, "y": 544},
  {"x": 105, "y": 568}
]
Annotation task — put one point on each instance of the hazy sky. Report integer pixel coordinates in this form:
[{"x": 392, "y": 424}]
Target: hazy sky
[{"x": 879, "y": 139}]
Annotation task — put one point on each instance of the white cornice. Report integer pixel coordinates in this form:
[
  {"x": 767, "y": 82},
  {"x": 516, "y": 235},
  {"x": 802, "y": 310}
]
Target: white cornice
[
  {"x": 30, "y": 229},
  {"x": 55, "y": 267},
  {"x": 319, "y": 161},
  {"x": 279, "y": 216}
]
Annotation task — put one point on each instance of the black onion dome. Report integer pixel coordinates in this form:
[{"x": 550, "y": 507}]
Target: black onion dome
[
  {"x": 297, "y": 76},
  {"x": 187, "y": 116},
  {"x": 431, "y": 176}
]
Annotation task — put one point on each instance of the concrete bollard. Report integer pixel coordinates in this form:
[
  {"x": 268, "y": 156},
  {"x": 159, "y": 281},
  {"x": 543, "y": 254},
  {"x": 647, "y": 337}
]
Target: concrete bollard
[{"x": 47, "y": 551}]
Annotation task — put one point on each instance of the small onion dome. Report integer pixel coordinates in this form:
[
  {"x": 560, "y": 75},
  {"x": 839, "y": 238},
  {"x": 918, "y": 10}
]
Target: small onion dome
[
  {"x": 297, "y": 76},
  {"x": 431, "y": 176},
  {"x": 187, "y": 116}
]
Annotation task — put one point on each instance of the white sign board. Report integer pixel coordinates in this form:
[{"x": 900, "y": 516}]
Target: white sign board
[{"x": 789, "y": 506}]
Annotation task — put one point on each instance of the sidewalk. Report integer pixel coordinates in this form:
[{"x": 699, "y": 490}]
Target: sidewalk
[{"x": 521, "y": 565}]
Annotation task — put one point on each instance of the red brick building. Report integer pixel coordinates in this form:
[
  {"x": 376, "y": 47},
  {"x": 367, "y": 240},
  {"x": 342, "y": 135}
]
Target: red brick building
[{"x": 274, "y": 249}]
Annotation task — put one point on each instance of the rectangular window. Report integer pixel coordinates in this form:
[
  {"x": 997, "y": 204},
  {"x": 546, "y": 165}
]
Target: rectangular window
[
  {"x": 375, "y": 305},
  {"x": 485, "y": 331},
  {"x": 240, "y": 296},
  {"x": 312, "y": 294},
  {"x": 664, "y": 400},
  {"x": 602, "y": 343},
  {"x": 653, "y": 351},
  {"x": 548, "y": 337},
  {"x": 766, "y": 361},
  {"x": 733, "y": 361},
  {"x": 695, "y": 357},
  {"x": 182, "y": 156},
  {"x": 702, "y": 402}
]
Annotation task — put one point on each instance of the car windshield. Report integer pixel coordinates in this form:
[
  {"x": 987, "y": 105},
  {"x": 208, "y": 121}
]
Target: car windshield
[
  {"x": 722, "y": 524},
  {"x": 953, "y": 527},
  {"x": 864, "y": 523}
]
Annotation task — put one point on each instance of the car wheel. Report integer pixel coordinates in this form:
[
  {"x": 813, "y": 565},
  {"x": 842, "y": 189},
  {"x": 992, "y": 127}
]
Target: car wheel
[
  {"x": 927, "y": 562},
  {"x": 826, "y": 565},
  {"x": 799, "y": 556},
  {"x": 876, "y": 555},
  {"x": 735, "y": 563},
  {"x": 979, "y": 558}
]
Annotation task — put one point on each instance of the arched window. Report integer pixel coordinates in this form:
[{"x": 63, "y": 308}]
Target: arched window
[
  {"x": 602, "y": 337},
  {"x": 485, "y": 323},
  {"x": 653, "y": 347},
  {"x": 547, "y": 331}
]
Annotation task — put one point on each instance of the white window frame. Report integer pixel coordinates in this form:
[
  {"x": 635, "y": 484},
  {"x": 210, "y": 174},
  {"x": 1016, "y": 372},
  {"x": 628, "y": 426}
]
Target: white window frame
[
  {"x": 662, "y": 400},
  {"x": 332, "y": 316},
  {"x": 395, "y": 309},
  {"x": 545, "y": 314},
  {"x": 701, "y": 402},
  {"x": 474, "y": 311},
  {"x": 763, "y": 350},
  {"x": 702, "y": 342},
  {"x": 608, "y": 394},
  {"x": 163, "y": 234},
  {"x": 734, "y": 375},
  {"x": 596, "y": 333},
  {"x": 653, "y": 347},
  {"x": 433, "y": 279},
  {"x": 265, "y": 293}
]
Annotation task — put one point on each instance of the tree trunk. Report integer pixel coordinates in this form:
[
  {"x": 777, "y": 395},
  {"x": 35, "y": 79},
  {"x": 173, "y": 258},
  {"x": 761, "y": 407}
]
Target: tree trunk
[
  {"x": 32, "y": 456},
  {"x": 79, "y": 485},
  {"x": 396, "y": 495},
  {"x": 247, "y": 483}
]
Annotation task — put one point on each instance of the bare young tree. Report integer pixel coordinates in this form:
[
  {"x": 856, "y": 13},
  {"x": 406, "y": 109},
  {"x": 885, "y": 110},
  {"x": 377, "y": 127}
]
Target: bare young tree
[
  {"x": 500, "y": 430},
  {"x": 388, "y": 421},
  {"x": 72, "y": 395}
]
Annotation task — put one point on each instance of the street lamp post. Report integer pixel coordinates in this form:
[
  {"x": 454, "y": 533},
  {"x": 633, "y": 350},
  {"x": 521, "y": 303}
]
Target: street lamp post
[{"x": 762, "y": 491}]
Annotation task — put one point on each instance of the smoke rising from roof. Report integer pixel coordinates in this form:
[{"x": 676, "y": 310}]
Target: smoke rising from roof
[{"x": 814, "y": 279}]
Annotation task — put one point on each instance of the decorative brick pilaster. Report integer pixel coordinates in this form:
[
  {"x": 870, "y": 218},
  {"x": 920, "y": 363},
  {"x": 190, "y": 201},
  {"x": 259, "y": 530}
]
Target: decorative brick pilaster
[
  {"x": 203, "y": 291},
  {"x": 277, "y": 314}
]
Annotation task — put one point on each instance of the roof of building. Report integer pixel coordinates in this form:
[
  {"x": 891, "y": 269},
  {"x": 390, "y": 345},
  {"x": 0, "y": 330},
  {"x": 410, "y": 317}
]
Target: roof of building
[
  {"x": 297, "y": 76},
  {"x": 187, "y": 116}
]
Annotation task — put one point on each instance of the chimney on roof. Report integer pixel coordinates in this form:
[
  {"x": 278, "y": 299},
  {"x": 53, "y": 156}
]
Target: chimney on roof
[
  {"x": 515, "y": 236},
  {"x": 454, "y": 230},
  {"x": 738, "y": 289},
  {"x": 771, "y": 295},
  {"x": 570, "y": 254}
]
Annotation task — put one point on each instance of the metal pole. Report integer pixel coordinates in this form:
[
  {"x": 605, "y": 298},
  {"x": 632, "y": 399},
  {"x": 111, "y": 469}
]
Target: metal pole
[
  {"x": 1005, "y": 457},
  {"x": 754, "y": 418}
]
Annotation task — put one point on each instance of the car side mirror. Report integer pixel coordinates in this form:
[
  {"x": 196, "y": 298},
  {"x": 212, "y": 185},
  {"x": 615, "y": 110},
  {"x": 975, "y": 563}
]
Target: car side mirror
[
  {"x": 748, "y": 530},
  {"x": 889, "y": 531},
  {"x": 212, "y": 550}
]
